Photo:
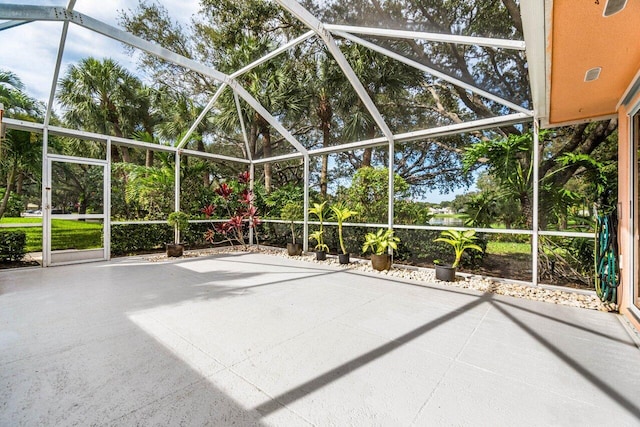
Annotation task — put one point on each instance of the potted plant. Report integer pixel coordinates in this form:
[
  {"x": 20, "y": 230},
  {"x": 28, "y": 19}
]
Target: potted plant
[
  {"x": 340, "y": 214},
  {"x": 180, "y": 222},
  {"x": 380, "y": 243},
  {"x": 292, "y": 212},
  {"x": 321, "y": 248},
  {"x": 461, "y": 241}
]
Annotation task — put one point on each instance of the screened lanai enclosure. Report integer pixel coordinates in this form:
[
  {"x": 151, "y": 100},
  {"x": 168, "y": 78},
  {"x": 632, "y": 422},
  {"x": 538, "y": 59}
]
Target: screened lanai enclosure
[{"x": 373, "y": 105}]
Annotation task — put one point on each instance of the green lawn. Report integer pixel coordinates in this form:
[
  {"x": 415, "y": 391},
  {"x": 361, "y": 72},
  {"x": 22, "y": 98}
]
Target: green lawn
[
  {"x": 509, "y": 248},
  {"x": 65, "y": 234},
  {"x": 20, "y": 220}
]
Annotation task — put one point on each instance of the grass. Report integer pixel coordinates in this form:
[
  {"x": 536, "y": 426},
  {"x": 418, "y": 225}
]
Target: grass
[
  {"x": 509, "y": 248},
  {"x": 65, "y": 234},
  {"x": 20, "y": 220}
]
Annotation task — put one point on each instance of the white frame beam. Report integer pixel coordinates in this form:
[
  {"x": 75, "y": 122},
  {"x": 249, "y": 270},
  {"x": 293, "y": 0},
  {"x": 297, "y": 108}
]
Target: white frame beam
[
  {"x": 176, "y": 195},
  {"x": 533, "y": 15},
  {"x": 434, "y": 72},
  {"x": 472, "y": 126},
  {"x": 433, "y": 37},
  {"x": 305, "y": 233},
  {"x": 535, "y": 220},
  {"x": 272, "y": 54},
  {"x": 317, "y": 26},
  {"x": 60, "y": 131},
  {"x": 235, "y": 74},
  {"x": 201, "y": 116},
  {"x": 11, "y": 24},
  {"x": 243, "y": 128}
]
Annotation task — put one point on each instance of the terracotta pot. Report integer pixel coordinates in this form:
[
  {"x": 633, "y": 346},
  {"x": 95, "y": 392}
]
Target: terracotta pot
[
  {"x": 321, "y": 255},
  {"x": 381, "y": 262},
  {"x": 446, "y": 273},
  {"x": 343, "y": 258},
  {"x": 294, "y": 249},
  {"x": 175, "y": 249}
]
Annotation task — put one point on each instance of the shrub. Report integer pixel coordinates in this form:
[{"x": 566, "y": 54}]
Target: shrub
[
  {"x": 12, "y": 245},
  {"x": 131, "y": 238},
  {"x": 15, "y": 205}
]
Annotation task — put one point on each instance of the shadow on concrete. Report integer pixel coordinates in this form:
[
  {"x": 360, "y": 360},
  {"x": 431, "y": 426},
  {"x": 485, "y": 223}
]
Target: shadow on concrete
[
  {"x": 575, "y": 365},
  {"x": 328, "y": 377}
]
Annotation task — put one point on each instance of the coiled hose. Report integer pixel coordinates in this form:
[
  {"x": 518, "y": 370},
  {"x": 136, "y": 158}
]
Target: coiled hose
[{"x": 606, "y": 257}]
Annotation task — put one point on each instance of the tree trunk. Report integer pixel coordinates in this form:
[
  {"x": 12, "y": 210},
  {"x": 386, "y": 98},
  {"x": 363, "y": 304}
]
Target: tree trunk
[
  {"x": 324, "y": 172},
  {"x": 368, "y": 152},
  {"x": 115, "y": 154},
  {"x": 266, "y": 145},
  {"x": 125, "y": 154},
  {"x": 7, "y": 192},
  {"x": 527, "y": 209},
  {"x": 149, "y": 159},
  {"x": 562, "y": 223},
  {"x": 366, "y": 157},
  {"x": 325, "y": 113},
  {"x": 514, "y": 13},
  {"x": 324, "y": 169},
  {"x": 19, "y": 183},
  {"x": 253, "y": 140},
  {"x": 205, "y": 174},
  {"x": 82, "y": 205}
]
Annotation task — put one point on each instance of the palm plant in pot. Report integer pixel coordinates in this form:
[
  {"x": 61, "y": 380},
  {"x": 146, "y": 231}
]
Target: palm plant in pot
[
  {"x": 379, "y": 243},
  {"x": 341, "y": 213},
  {"x": 461, "y": 241},
  {"x": 180, "y": 222},
  {"x": 292, "y": 212},
  {"x": 321, "y": 248}
]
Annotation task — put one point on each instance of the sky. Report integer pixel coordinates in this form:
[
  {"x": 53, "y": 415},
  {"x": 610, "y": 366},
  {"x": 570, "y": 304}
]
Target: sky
[{"x": 30, "y": 50}]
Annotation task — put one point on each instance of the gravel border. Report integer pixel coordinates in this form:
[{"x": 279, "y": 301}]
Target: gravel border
[{"x": 419, "y": 275}]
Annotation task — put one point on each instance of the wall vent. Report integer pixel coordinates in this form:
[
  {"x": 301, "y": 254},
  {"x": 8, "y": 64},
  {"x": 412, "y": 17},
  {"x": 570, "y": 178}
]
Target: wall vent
[{"x": 592, "y": 74}]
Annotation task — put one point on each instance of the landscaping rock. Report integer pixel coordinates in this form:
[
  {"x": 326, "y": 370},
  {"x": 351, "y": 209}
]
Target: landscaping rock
[{"x": 425, "y": 276}]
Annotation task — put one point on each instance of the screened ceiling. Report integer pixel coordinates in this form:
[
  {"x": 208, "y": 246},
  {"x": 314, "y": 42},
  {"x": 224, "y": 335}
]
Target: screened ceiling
[{"x": 367, "y": 42}]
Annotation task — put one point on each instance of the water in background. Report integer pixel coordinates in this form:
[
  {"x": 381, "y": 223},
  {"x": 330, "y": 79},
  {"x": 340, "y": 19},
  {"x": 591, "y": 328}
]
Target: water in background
[{"x": 447, "y": 222}]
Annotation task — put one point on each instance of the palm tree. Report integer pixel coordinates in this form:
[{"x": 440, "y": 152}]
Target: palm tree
[
  {"x": 386, "y": 81},
  {"x": 20, "y": 152},
  {"x": 281, "y": 90},
  {"x": 326, "y": 86},
  {"x": 13, "y": 97},
  {"x": 20, "y": 155},
  {"x": 103, "y": 97}
]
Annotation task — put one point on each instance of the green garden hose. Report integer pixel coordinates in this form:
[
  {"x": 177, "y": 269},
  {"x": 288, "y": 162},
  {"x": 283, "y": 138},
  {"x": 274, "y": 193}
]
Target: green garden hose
[{"x": 606, "y": 257}]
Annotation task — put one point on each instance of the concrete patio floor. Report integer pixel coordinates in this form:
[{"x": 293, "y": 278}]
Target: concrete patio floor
[{"x": 252, "y": 339}]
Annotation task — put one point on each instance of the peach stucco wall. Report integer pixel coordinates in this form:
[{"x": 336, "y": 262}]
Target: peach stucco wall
[
  {"x": 625, "y": 196},
  {"x": 581, "y": 39}
]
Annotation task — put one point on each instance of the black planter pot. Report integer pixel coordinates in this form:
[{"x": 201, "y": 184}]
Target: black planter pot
[
  {"x": 381, "y": 262},
  {"x": 321, "y": 255},
  {"x": 343, "y": 258},
  {"x": 175, "y": 249},
  {"x": 294, "y": 249},
  {"x": 446, "y": 273}
]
